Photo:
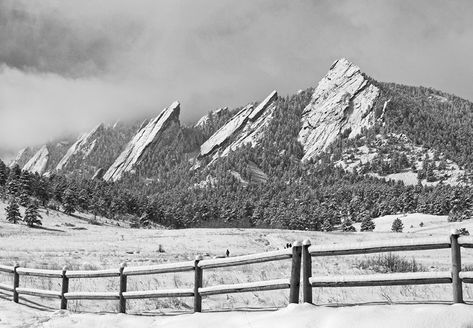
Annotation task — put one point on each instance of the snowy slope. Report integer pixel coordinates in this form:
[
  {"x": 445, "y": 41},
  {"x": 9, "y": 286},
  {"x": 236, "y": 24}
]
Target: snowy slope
[{"x": 419, "y": 223}]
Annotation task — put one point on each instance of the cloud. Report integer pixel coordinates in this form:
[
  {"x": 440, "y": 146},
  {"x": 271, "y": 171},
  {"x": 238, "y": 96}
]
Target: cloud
[{"x": 66, "y": 65}]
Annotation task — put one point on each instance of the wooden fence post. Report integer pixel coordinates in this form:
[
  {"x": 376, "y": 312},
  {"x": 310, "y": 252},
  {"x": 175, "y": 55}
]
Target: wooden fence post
[
  {"x": 295, "y": 272},
  {"x": 198, "y": 278},
  {"x": 456, "y": 267},
  {"x": 122, "y": 288},
  {"x": 16, "y": 282},
  {"x": 64, "y": 289},
  {"x": 306, "y": 272}
]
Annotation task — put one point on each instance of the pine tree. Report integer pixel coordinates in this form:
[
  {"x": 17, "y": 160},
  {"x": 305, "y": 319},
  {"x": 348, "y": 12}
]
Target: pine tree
[
  {"x": 24, "y": 183},
  {"x": 83, "y": 200},
  {"x": 347, "y": 226},
  {"x": 3, "y": 173},
  {"x": 12, "y": 188},
  {"x": 69, "y": 201},
  {"x": 24, "y": 199},
  {"x": 13, "y": 211},
  {"x": 32, "y": 215},
  {"x": 327, "y": 225},
  {"x": 367, "y": 224},
  {"x": 397, "y": 225}
]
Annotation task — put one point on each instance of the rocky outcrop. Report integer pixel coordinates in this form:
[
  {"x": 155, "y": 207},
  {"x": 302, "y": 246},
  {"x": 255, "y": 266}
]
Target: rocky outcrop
[
  {"x": 98, "y": 175},
  {"x": 342, "y": 103},
  {"x": 22, "y": 157},
  {"x": 145, "y": 137},
  {"x": 204, "y": 119},
  {"x": 246, "y": 127},
  {"x": 39, "y": 162},
  {"x": 81, "y": 148}
]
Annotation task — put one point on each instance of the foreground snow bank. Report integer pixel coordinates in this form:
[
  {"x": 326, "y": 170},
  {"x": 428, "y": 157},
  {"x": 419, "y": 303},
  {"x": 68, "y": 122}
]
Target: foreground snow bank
[{"x": 303, "y": 315}]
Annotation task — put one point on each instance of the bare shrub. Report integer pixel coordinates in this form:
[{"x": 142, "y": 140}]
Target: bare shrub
[{"x": 389, "y": 263}]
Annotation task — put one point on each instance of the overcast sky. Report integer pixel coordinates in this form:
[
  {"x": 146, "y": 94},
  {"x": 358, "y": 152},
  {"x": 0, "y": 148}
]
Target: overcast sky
[{"x": 66, "y": 65}]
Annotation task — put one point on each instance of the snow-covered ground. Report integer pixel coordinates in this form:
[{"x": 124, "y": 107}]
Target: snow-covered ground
[
  {"x": 297, "y": 316},
  {"x": 419, "y": 223},
  {"x": 72, "y": 241}
]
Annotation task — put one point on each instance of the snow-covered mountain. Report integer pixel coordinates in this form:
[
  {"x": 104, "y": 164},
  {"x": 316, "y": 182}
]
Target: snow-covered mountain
[
  {"x": 82, "y": 148},
  {"x": 245, "y": 127},
  {"x": 343, "y": 102},
  {"x": 39, "y": 162},
  {"x": 146, "y": 136},
  {"x": 22, "y": 157},
  {"x": 344, "y": 105}
]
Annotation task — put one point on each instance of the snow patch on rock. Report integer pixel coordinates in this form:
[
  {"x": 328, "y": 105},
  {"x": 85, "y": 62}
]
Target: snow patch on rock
[
  {"x": 342, "y": 103},
  {"x": 146, "y": 136},
  {"x": 39, "y": 162}
]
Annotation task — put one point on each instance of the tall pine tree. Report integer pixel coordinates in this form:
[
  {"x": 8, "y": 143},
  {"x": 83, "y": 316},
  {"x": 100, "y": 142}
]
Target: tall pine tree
[
  {"x": 13, "y": 211},
  {"x": 32, "y": 215},
  {"x": 69, "y": 201}
]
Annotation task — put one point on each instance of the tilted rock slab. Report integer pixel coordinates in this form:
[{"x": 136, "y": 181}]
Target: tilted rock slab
[
  {"x": 39, "y": 162},
  {"x": 22, "y": 157},
  {"x": 246, "y": 127},
  {"x": 146, "y": 136},
  {"x": 82, "y": 147},
  {"x": 343, "y": 101}
]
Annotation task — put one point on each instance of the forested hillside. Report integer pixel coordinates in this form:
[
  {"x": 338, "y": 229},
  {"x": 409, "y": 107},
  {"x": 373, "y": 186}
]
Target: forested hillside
[{"x": 419, "y": 132}]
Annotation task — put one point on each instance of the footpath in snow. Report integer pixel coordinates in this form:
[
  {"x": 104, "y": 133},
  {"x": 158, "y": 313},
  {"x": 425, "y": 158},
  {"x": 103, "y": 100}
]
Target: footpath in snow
[{"x": 297, "y": 316}]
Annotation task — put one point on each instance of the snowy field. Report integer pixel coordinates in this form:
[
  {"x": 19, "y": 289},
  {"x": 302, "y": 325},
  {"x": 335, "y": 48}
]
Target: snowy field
[
  {"x": 418, "y": 223},
  {"x": 294, "y": 316},
  {"x": 75, "y": 242}
]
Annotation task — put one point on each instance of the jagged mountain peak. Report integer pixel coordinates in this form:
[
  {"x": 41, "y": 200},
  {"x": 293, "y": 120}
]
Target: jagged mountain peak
[
  {"x": 244, "y": 127},
  {"x": 84, "y": 145},
  {"x": 145, "y": 136},
  {"x": 39, "y": 162},
  {"x": 342, "y": 103}
]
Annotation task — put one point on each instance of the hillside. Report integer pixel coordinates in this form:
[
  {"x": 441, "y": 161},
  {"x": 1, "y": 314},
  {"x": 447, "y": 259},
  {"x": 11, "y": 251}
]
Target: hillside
[{"x": 345, "y": 149}]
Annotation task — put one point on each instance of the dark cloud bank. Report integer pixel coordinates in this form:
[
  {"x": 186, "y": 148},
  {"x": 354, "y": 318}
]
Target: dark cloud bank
[{"x": 66, "y": 65}]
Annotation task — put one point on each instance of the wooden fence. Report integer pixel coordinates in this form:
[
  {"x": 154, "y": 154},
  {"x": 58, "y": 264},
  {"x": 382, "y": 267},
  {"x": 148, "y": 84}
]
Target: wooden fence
[
  {"x": 455, "y": 277},
  {"x": 197, "y": 266},
  {"x": 301, "y": 255}
]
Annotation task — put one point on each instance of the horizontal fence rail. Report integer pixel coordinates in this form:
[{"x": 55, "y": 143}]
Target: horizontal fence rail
[
  {"x": 301, "y": 255},
  {"x": 380, "y": 247},
  {"x": 385, "y": 279}
]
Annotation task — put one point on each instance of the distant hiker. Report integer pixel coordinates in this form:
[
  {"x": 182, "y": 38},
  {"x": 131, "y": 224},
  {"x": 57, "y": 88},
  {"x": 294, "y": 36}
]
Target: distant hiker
[{"x": 228, "y": 253}]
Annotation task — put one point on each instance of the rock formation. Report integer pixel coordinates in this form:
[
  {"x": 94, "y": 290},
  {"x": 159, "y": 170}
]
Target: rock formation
[
  {"x": 39, "y": 162},
  {"x": 98, "y": 175},
  {"x": 342, "y": 103},
  {"x": 22, "y": 157},
  {"x": 81, "y": 148},
  {"x": 245, "y": 127},
  {"x": 145, "y": 137}
]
